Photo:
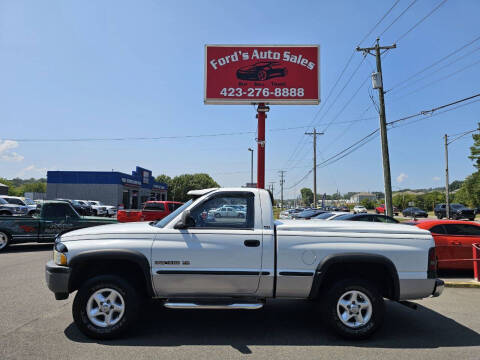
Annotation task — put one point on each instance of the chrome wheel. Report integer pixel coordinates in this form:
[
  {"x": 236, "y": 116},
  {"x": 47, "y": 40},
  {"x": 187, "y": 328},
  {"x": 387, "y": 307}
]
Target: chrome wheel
[
  {"x": 105, "y": 307},
  {"x": 354, "y": 309},
  {"x": 3, "y": 240}
]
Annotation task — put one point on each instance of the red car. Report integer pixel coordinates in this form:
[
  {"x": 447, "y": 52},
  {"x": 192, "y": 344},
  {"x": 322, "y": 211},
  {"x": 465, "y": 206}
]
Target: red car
[
  {"x": 381, "y": 210},
  {"x": 152, "y": 210},
  {"x": 453, "y": 241}
]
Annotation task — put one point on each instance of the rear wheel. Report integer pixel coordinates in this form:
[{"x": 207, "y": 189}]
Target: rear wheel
[
  {"x": 105, "y": 307},
  {"x": 354, "y": 308},
  {"x": 4, "y": 240},
  {"x": 439, "y": 216}
]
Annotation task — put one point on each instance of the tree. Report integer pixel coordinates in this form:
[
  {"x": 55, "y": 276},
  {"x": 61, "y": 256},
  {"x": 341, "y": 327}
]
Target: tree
[
  {"x": 307, "y": 196},
  {"x": 369, "y": 204},
  {"x": 179, "y": 186},
  {"x": 475, "y": 150},
  {"x": 469, "y": 193}
]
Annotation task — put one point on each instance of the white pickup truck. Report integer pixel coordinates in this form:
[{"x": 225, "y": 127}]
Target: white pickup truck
[{"x": 189, "y": 260}]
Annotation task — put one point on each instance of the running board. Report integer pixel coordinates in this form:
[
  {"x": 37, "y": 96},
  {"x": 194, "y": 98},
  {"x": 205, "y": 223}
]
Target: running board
[{"x": 230, "y": 306}]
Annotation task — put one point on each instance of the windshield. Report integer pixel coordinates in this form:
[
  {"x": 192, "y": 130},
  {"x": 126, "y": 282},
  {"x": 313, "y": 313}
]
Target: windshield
[
  {"x": 29, "y": 201},
  {"x": 167, "y": 219},
  {"x": 343, "y": 217},
  {"x": 324, "y": 215},
  {"x": 3, "y": 202}
]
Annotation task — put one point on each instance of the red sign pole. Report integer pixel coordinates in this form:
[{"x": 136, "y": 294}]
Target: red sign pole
[{"x": 261, "y": 116}]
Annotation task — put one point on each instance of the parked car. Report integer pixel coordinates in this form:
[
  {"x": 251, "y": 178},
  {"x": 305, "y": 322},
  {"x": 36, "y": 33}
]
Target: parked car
[
  {"x": 344, "y": 209},
  {"x": 87, "y": 206},
  {"x": 188, "y": 261},
  {"x": 227, "y": 212},
  {"x": 79, "y": 208},
  {"x": 367, "y": 217},
  {"x": 414, "y": 212},
  {"x": 7, "y": 209},
  {"x": 457, "y": 211},
  {"x": 307, "y": 214},
  {"x": 54, "y": 218},
  {"x": 151, "y": 211},
  {"x": 23, "y": 209},
  {"x": 329, "y": 215},
  {"x": 453, "y": 241},
  {"x": 358, "y": 209},
  {"x": 381, "y": 210}
]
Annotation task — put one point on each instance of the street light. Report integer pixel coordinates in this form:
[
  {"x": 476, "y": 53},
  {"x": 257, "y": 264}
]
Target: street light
[{"x": 251, "y": 166}]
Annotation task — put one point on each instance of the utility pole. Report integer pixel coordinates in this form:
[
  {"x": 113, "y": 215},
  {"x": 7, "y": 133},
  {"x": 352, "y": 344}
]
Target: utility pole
[
  {"x": 282, "y": 181},
  {"x": 378, "y": 84},
  {"x": 314, "y": 133},
  {"x": 271, "y": 186},
  {"x": 447, "y": 183}
]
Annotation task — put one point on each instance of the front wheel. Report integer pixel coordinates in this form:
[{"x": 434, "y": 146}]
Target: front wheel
[
  {"x": 4, "y": 241},
  {"x": 105, "y": 307},
  {"x": 354, "y": 308}
]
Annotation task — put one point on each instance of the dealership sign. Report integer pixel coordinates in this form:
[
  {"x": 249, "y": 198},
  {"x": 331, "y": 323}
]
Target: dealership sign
[{"x": 271, "y": 74}]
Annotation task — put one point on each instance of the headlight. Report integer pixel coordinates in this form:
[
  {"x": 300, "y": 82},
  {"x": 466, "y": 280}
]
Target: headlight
[
  {"x": 59, "y": 251},
  {"x": 59, "y": 258}
]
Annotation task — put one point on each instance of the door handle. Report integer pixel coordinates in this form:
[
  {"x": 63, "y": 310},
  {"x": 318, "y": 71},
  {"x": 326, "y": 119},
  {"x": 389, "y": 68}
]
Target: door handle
[{"x": 252, "y": 243}]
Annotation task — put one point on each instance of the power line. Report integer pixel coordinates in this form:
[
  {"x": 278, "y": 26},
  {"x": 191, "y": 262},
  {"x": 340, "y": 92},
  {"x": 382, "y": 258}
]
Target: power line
[
  {"x": 338, "y": 80},
  {"x": 435, "y": 63},
  {"x": 420, "y": 21},
  {"x": 359, "y": 143},
  {"x": 398, "y": 17},
  {"x": 438, "y": 80}
]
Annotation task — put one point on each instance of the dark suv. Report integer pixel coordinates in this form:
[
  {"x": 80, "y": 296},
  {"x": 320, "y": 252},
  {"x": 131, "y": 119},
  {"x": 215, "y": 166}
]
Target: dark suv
[{"x": 457, "y": 211}]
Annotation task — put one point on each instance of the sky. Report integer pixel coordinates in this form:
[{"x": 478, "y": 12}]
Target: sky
[{"x": 116, "y": 69}]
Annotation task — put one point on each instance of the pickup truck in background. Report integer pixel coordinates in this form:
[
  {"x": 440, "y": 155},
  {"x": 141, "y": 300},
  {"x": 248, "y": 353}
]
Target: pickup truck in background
[
  {"x": 52, "y": 219},
  {"x": 152, "y": 211},
  {"x": 7, "y": 209},
  {"x": 190, "y": 260}
]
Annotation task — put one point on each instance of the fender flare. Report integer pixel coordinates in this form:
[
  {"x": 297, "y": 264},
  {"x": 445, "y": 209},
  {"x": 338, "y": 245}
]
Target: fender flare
[
  {"x": 116, "y": 254},
  {"x": 365, "y": 258}
]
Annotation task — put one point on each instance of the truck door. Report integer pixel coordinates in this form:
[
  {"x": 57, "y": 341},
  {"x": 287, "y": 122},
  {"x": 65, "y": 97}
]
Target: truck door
[{"x": 217, "y": 256}]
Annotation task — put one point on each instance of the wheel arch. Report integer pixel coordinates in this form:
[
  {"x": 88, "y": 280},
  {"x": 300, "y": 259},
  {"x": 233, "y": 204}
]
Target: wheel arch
[
  {"x": 336, "y": 265},
  {"x": 125, "y": 262}
]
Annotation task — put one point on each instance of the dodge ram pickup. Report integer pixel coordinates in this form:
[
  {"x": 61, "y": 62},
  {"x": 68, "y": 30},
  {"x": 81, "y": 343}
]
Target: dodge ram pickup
[
  {"x": 190, "y": 260},
  {"x": 54, "y": 217}
]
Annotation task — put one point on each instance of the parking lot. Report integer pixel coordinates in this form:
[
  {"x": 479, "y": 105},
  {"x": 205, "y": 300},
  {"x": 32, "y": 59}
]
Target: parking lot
[{"x": 35, "y": 326}]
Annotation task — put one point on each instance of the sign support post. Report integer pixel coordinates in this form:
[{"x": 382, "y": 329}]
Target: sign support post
[{"x": 261, "y": 116}]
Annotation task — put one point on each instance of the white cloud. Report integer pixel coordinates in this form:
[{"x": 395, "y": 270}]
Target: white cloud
[
  {"x": 7, "y": 145},
  {"x": 32, "y": 170},
  {"x": 436, "y": 178},
  {"x": 12, "y": 156},
  {"x": 6, "y": 154},
  {"x": 401, "y": 177}
]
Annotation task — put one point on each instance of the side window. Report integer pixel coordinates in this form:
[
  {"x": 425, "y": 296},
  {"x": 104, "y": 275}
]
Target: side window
[
  {"x": 58, "y": 211},
  {"x": 438, "y": 229},
  {"x": 155, "y": 207},
  {"x": 213, "y": 212},
  {"x": 68, "y": 211},
  {"x": 463, "y": 229},
  {"x": 171, "y": 207}
]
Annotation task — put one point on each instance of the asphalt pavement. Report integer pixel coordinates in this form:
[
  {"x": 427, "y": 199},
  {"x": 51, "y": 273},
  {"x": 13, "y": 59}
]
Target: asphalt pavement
[{"x": 35, "y": 326}]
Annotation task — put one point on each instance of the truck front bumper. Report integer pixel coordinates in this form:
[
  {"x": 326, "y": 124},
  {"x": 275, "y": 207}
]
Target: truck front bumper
[
  {"x": 57, "y": 278},
  {"x": 438, "y": 289}
]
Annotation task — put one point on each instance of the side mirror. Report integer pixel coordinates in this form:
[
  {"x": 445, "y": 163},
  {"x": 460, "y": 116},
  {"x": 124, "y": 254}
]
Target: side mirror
[{"x": 186, "y": 221}]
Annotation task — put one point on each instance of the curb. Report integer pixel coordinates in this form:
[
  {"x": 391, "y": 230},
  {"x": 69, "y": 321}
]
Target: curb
[{"x": 463, "y": 284}]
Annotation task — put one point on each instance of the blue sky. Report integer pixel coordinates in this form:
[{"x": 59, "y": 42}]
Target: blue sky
[{"x": 103, "y": 69}]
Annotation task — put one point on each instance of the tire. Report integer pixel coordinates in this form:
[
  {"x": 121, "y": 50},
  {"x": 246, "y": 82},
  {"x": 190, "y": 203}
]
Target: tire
[
  {"x": 4, "y": 240},
  {"x": 95, "y": 213},
  {"x": 121, "y": 293},
  {"x": 472, "y": 219},
  {"x": 372, "y": 310},
  {"x": 377, "y": 212},
  {"x": 217, "y": 215},
  {"x": 439, "y": 217}
]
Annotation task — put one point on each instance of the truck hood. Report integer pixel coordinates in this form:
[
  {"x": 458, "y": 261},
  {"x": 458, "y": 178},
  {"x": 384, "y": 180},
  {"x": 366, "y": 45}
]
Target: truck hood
[
  {"x": 338, "y": 226},
  {"x": 116, "y": 231}
]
